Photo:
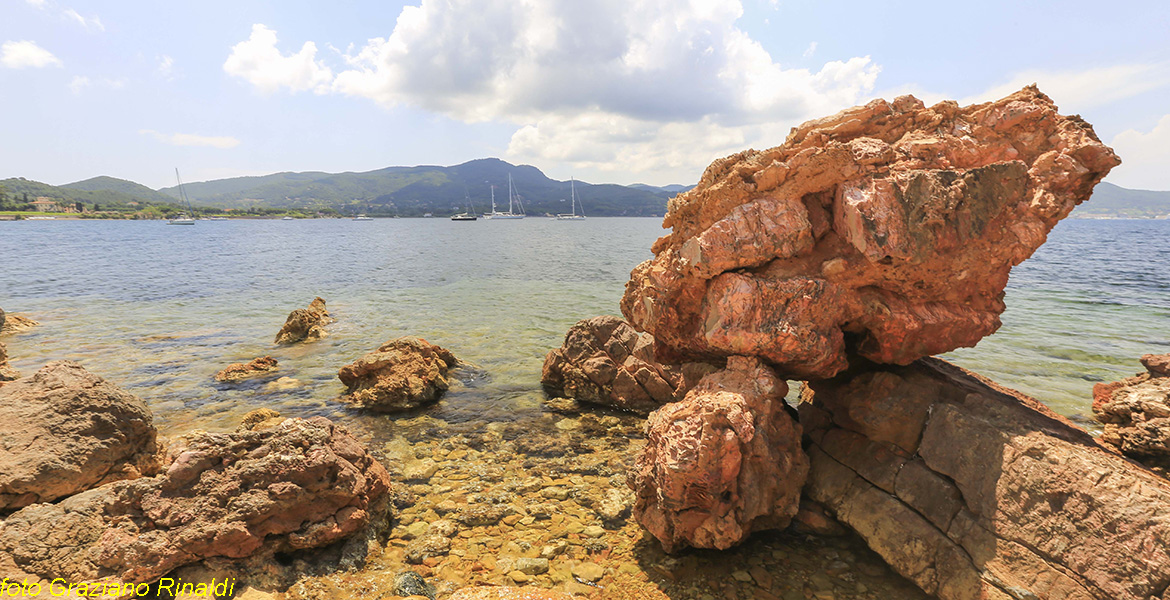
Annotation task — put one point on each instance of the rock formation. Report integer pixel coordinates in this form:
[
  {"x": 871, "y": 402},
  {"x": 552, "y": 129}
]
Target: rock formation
[
  {"x": 402, "y": 374},
  {"x": 605, "y": 361},
  {"x": 10, "y": 323},
  {"x": 724, "y": 461},
  {"x": 67, "y": 430},
  {"x": 974, "y": 491},
  {"x": 7, "y": 373},
  {"x": 305, "y": 324},
  {"x": 238, "y": 372},
  {"x": 886, "y": 230},
  {"x": 1136, "y": 412},
  {"x": 302, "y": 484},
  {"x": 509, "y": 593}
]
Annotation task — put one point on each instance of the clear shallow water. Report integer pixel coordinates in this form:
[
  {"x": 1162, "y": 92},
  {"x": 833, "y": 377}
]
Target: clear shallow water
[{"x": 159, "y": 309}]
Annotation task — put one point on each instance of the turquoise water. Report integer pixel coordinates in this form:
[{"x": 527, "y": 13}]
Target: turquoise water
[{"x": 159, "y": 309}]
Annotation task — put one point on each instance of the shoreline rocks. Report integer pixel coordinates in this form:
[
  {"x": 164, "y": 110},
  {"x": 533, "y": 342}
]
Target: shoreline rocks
[
  {"x": 1135, "y": 413},
  {"x": 305, "y": 324},
  {"x": 722, "y": 463},
  {"x": 299, "y": 485},
  {"x": 12, "y": 324},
  {"x": 887, "y": 231},
  {"x": 972, "y": 490},
  {"x": 238, "y": 372},
  {"x": 605, "y": 361},
  {"x": 7, "y": 373},
  {"x": 401, "y": 374},
  {"x": 68, "y": 430}
]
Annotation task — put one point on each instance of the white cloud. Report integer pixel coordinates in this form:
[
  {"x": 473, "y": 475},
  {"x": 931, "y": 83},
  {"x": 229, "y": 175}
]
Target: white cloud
[
  {"x": 86, "y": 22},
  {"x": 19, "y": 55},
  {"x": 81, "y": 82},
  {"x": 78, "y": 83},
  {"x": 166, "y": 67},
  {"x": 1078, "y": 91},
  {"x": 37, "y": 3},
  {"x": 1145, "y": 157},
  {"x": 188, "y": 139},
  {"x": 258, "y": 60},
  {"x": 812, "y": 49}
]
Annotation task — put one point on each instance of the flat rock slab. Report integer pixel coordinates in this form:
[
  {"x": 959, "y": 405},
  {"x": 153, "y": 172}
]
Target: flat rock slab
[{"x": 973, "y": 491}]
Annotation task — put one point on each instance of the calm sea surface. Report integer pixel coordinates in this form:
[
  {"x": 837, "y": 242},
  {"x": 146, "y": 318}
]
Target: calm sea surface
[{"x": 159, "y": 309}]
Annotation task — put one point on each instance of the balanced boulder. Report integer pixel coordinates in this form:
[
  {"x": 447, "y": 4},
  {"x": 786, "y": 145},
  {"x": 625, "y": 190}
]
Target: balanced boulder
[
  {"x": 302, "y": 484},
  {"x": 401, "y": 374},
  {"x": 67, "y": 430},
  {"x": 605, "y": 361},
  {"x": 305, "y": 324},
  {"x": 887, "y": 230},
  {"x": 721, "y": 463}
]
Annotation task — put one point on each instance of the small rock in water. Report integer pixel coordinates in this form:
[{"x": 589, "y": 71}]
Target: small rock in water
[
  {"x": 588, "y": 571},
  {"x": 283, "y": 384},
  {"x": 409, "y": 583},
  {"x": 421, "y": 470},
  {"x": 305, "y": 324},
  {"x": 261, "y": 418},
  {"x": 532, "y": 566},
  {"x": 426, "y": 547},
  {"x": 238, "y": 372}
]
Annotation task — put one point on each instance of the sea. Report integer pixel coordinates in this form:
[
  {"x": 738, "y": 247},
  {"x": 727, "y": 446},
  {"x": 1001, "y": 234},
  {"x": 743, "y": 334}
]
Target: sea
[{"x": 160, "y": 309}]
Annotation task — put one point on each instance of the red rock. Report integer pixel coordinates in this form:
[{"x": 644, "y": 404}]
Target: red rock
[
  {"x": 67, "y": 430},
  {"x": 237, "y": 372},
  {"x": 887, "y": 230},
  {"x": 1135, "y": 413},
  {"x": 302, "y": 484},
  {"x": 721, "y": 463},
  {"x": 305, "y": 324},
  {"x": 401, "y": 374},
  {"x": 973, "y": 491},
  {"x": 605, "y": 361}
]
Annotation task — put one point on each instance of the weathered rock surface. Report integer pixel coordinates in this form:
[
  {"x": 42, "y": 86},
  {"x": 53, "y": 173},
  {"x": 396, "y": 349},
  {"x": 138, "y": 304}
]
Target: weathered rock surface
[
  {"x": 7, "y": 373},
  {"x": 67, "y": 430},
  {"x": 605, "y": 361},
  {"x": 305, "y": 324},
  {"x": 10, "y": 323},
  {"x": 402, "y": 374},
  {"x": 1136, "y": 412},
  {"x": 887, "y": 230},
  {"x": 721, "y": 463},
  {"x": 303, "y": 484},
  {"x": 974, "y": 491},
  {"x": 509, "y": 593},
  {"x": 238, "y": 372}
]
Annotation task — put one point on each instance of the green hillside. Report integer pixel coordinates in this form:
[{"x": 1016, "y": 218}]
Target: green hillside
[
  {"x": 112, "y": 184},
  {"x": 413, "y": 191},
  {"x": 19, "y": 190},
  {"x": 1115, "y": 201}
]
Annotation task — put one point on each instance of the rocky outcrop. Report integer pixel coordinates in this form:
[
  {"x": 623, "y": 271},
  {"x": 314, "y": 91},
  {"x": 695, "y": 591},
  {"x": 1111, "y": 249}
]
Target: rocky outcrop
[
  {"x": 401, "y": 374},
  {"x": 605, "y": 361},
  {"x": 238, "y": 372},
  {"x": 302, "y": 484},
  {"x": 10, "y": 323},
  {"x": 7, "y": 373},
  {"x": 887, "y": 230},
  {"x": 305, "y": 324},
  {"x": 721, "y": 463},
  {"x": 1135, "y": 412},
  {"x": 974, "y": 491},
  {"x": 67, "y": 430}
]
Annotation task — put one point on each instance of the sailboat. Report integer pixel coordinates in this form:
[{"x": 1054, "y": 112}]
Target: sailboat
[
  {"x": 512, "y": 198},
  {"x": 183, "y": 218},
  {"x": 573, "y": 216},
  {"x": 466, "y": 216}
]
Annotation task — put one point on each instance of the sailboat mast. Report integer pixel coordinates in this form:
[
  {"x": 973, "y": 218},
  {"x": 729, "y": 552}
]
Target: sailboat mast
[
  {"x": 182, "y": 192},
  {"x": 510, "y": 211},
  {"x": 493, "y": 199},
  {"x": 573, "y": 195}
]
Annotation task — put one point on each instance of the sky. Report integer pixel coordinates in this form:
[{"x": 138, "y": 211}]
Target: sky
[{"x": 607, "y": 91}]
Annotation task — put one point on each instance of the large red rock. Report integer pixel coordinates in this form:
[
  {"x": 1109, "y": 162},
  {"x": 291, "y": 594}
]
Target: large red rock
[
  {"x": 721, "y": 463},
  {"x": 66, "y": 430},
  {"x": 401, "y": 374},
  {"x": 1135, "y": 412},
  {"x": 305, "y": 324},
  {"x": 605, "y": 361},
  {"x": 977, "y": 492},
  {"x": 887, "y": 230},
  {"x": 301, "y": 484}
]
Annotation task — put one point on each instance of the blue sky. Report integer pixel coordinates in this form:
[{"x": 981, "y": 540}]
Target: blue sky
[{"x": 607, "y": 91}]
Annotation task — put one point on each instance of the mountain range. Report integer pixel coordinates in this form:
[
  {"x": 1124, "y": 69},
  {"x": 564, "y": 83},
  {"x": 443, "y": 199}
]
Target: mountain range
[{"x": 414, "y": 191}]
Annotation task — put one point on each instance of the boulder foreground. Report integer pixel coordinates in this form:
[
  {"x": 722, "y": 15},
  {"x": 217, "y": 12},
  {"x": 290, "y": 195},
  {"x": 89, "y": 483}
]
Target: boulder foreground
[
  {"x": 401, "y": 374},
  {"x": 305, "y": 324},
  {"x": 887, "y": 230},
  {"x": 1135, "y": 412}
]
